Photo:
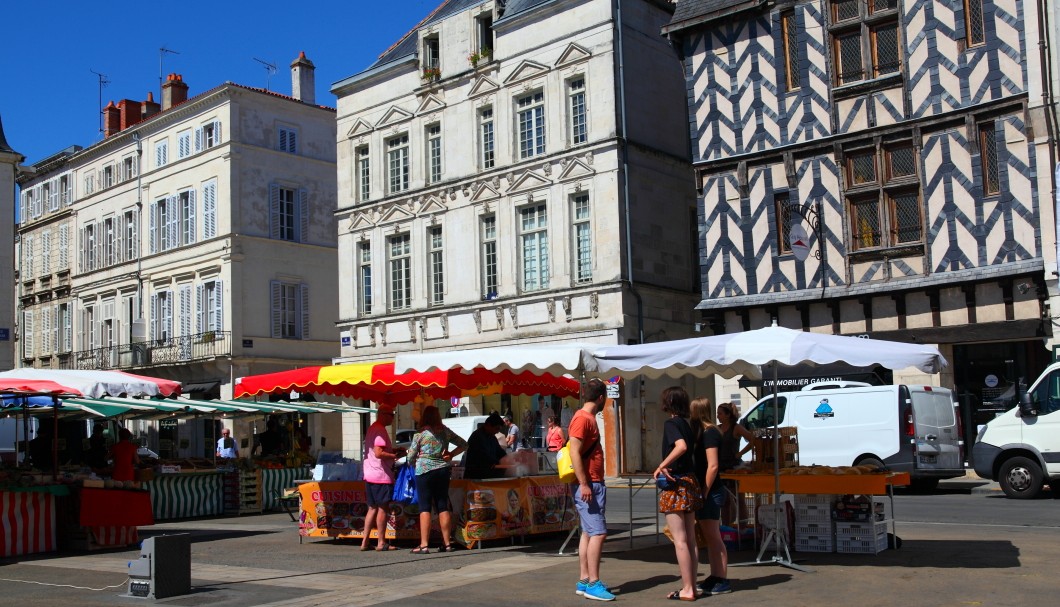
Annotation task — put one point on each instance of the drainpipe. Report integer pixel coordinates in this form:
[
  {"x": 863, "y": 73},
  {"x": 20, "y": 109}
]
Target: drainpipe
[
  {"x": 139, "y": 231},
  {"x": 1048, "y": 101}
]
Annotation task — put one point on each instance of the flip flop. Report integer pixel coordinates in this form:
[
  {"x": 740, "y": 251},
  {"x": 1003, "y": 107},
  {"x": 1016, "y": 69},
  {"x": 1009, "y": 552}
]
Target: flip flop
[
  {"x": 676, "y": 596},
  {"x": 421, "y": 550},
  {"x": 386, "y": 548}
]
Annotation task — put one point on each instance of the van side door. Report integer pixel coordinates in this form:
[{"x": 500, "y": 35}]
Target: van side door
[
  {"x": 935, "y": 429},
  {"x": 1043, "y": 430}
]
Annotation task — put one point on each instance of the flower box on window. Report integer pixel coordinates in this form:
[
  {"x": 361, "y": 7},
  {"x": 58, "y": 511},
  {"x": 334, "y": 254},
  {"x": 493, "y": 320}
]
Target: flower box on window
[{"x": 430, "y": 74}]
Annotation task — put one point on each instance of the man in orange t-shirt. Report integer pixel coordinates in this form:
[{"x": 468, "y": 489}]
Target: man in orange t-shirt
[{"x": 587, "y": 457}]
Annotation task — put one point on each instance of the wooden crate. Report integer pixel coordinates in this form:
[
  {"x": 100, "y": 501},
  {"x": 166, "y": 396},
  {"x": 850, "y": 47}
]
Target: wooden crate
[{"x": 762, "y": 458}]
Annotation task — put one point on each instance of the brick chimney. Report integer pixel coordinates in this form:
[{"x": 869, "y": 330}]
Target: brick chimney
[
  {"x": 111, "y": 119},
  {"x": 149, "y": 108},
  {"x": 130, "y": 113},
  {"x": 174, "y": 91},
  {"x": 303, "y": 84}
]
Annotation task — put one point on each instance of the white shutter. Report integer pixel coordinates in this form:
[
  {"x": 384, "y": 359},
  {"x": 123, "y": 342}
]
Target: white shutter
[
  {"x": 57, "y": 319},
  {"x": 191, "y": 217},
  {"x": 303, "y": 292},
  {"x": 276, "y": 294},
  {"x": 209, "y": 210},
  {"x": 303, "y": 216},
  {"x": 68, "y": 330},
  {"x": 200, "y": 312},
  {"x": 64, "y": 246},
  {"x": 167, "y": 315},
  {"x": 274, "y": 211},
  {"x": 27, "y": 258},
  {"x": 173, "y": 221},
  {"x": 152, "y": 229},
  {"x": 27, "y": 334},
  {"x": 218, "y": 306},
  {"x": 198, "y": 139},
  {"x": 46, "y": 253},
  {"x": 154, "y": 317},
  {"x": 119, "y": 238},
  {"x": 98, "y": 258},
  {"x": 217, "y": 132},
  {"x": 45, "y": 332},
  {"x": 185, "y": 310}
]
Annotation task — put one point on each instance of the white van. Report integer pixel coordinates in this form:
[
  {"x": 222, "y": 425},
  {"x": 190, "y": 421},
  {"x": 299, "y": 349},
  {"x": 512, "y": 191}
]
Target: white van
[
  {"x": 1020, "y": 448},
  {"x": 912, "y": 429}
]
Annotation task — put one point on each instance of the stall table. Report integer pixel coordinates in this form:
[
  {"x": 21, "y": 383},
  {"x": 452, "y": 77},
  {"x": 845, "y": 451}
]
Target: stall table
[
  {"x": 482, "y": 510},
  {"x": 112, "y": 517},
  {"x": 28, "y": 519}
]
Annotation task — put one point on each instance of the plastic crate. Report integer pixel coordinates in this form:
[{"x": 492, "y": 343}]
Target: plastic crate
[
  {"x": 813, "y": 513},
  {"x": 862, "y": 546},
  {"x": 814, "y": 544},
  {"x": 848, "y": 530},
  {"x": 813, "y": 530},
  {"x": 824, "y": 499}
]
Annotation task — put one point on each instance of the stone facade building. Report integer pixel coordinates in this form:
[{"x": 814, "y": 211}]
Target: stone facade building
[
  {"x": 517, "y": 172},
  {"x": 915, "y": 135},
  {"x": 195, "y": 242}
]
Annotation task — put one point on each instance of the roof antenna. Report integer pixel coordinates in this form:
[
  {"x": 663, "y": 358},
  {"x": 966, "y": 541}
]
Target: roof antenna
[
  {"x": 161, "y": 53},
  {"x": 270, "y": 69},
  {"x": 102, "y": 83}
]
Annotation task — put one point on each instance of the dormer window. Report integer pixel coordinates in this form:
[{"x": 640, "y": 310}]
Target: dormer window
[
  {"x": 484, "y": 33},
  {"x": 431, "y": 52}
]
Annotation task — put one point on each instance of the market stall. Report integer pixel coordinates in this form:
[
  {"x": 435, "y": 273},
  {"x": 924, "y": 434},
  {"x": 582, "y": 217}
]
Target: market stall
[
  {"x": 28, "y": 519},
  {"x": 482, "y": 510}
]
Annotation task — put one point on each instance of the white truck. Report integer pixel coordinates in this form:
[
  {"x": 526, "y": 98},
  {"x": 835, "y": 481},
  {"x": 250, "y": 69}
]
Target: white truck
[
  {"x": 906, "y": 428},
  {"x": 1020, "y": 448}
]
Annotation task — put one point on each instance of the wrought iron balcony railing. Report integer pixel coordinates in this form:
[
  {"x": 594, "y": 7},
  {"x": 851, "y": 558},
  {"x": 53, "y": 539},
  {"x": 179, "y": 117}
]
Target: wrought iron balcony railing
[{"x": 156, "y": 352}]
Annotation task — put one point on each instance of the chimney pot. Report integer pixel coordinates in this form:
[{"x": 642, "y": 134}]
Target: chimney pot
[
  {"x": 303, "y": 82},
  {"x": 111, "y": 119},
  {"x": 174, "y": 91}
]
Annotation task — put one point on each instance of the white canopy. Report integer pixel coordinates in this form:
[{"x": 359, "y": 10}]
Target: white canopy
[
  {"x": 92, "y": 384},
  {"x": 553, "y": 358}
]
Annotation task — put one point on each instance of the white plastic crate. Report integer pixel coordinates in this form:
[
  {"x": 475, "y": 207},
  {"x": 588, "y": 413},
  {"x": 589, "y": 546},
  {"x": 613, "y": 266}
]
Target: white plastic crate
[
  {"x": 814, "y": 544},
  {"x": 824, "y": 499},
  {"x": 813, "y": 529},
  {"x": 813, "y": 513},
  {"x": 862, "y": 546},
  {"x": 866, "y": 530}
]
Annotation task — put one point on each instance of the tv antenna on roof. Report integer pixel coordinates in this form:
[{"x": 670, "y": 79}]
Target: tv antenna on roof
[
  {"x": 102, "y": 83},
  {"x": 270, "y": 69},
  {"x": 161, "y": 53}
]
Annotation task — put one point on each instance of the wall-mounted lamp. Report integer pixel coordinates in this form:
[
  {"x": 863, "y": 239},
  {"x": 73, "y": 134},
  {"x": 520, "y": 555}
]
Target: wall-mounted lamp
[{"x": 1023, "y": 288}]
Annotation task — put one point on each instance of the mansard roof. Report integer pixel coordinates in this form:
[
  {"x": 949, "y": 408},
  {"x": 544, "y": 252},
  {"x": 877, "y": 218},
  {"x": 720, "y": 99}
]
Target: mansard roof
[{"x": 690, "y": 13}]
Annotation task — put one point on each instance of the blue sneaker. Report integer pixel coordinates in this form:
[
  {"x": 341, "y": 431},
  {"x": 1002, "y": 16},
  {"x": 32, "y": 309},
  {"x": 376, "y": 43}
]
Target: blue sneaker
[
  {"x": 580, "y": 588},
  {"x": 722, "y": 587},
  {"x": 597, "y": 591}
]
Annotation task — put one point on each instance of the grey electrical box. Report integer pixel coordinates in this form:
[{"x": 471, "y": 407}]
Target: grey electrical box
[{"x": 163, "y": 569}]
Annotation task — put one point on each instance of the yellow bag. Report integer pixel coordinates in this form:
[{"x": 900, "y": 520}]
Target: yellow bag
[{"x": 564, "y": 465}]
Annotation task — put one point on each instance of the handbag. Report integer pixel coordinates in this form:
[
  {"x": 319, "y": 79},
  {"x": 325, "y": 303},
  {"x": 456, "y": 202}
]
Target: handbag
[
  {"x": 665, "y": 484},
  {"x": 564, "y": 465},
  {"x": 405, "y": 485}
]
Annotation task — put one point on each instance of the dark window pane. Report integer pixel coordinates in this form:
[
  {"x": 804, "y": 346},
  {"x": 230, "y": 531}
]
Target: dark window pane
[
  {"x": 783, "y": 224},
  {"x": 988, "y": 150},
  {"x": 865, "y": 228},
  {"x": 887, "y": 60},
  {"x": 844, "y": 9},
  {"x": 906, "y": 218},
  {"x": 791, "y": 50},
  {"x": 903, "y": 162},
  {"x": 882, "y": 5},
  {"x": 849, "y": 58},
  {"x": 973, "y": 17},
  {"x": 862, "y": 168}
]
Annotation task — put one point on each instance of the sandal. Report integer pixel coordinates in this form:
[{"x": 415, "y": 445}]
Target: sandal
[
  {"x": 447, "y": 548},
  {"x": 386, "y": 548},
  {"x": 421, "y": 550},
  {"x": 676, "y": 596}
]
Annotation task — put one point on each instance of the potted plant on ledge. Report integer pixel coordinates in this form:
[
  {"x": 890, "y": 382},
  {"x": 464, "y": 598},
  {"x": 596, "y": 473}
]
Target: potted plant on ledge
[
  {"x": 484, "y": 55},
  {"x": 431, "y": 74}
]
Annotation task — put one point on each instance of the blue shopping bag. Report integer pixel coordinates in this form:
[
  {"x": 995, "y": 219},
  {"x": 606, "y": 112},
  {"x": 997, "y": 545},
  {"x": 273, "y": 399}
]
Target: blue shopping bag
[{"x": 405, "y": 485}]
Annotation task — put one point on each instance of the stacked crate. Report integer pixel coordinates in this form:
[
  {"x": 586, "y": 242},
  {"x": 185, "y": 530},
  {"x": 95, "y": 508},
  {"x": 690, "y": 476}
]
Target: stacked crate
[
  {"x": 762, "y": 457},
  {"x": 242, "y": 492},
  {"x": 862, "y": 530},
  {"x": 814, "y": 528}
]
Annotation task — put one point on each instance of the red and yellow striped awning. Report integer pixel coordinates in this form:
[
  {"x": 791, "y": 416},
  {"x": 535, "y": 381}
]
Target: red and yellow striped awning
[{"x": 376, "y": 381}]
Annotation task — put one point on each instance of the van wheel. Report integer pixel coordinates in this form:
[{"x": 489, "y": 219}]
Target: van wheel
[
  {"x": 870, "y": 461},
  {"x": 1020, "y": 478}
]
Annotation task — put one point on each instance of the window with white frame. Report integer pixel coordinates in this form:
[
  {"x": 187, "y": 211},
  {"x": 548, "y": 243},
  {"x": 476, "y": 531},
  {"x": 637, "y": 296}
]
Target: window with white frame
[
  {"x": 207, "y": 136},
  {"x": 209, "y": 309},
  {"x": 488, "y": 231},
  {"x": 533, "y": 240},
  {"x": 397, "y": 152},
  {"x": 164, "y": 224},
  {"x": 129, "y": 243},
  {"x": 486, "y": 138},
  {"x": 90, "y": 182},
  {"x": 288, "y": 139},
  {"x": 530, "y": 116},
  {"x": 400, "y": 272},
  {"x": 436, "y": 264},
  {"x": 162, "y": 316},
  {"x": 364, "y": 276},
  {"x": 364, "y": 174},
  {"x": 107, "y": 322},
  {"x": 89, "y": 335},
  {"x": 434, "y": 153},
  {"x": 209, "y": 209},
  {"x": 431, "y": 52},
  {"x": 186, "y": 208},
  {"x": 108, "y": 176},
  {"x": 484, "y": 33},
  {"x": 52, "y": 195},
  {"x": 184, "y": 144},
  {"x": 290, "y": 310},
  {"x": 88, "y": 247},
  {"x": 582, "y": 238},
  {"x": 111, "y": 247},
  {"x": 64, "y": 336},
  {"x": 288, "y": 214},
  {"x": 66, "y": 190},
  {"x": 161, "y": 153},
  {"x": 129, "y": 168},
  {"x": 579, "y": 126}
]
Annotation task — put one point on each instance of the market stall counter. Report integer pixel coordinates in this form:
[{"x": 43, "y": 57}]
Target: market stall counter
[
  {"x": 28, "y": 519},
  {"x": 482, "y": 510}
]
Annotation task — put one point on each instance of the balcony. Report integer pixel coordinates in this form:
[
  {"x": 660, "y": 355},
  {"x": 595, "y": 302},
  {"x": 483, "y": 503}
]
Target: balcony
[{"x": 158, "y": 352}]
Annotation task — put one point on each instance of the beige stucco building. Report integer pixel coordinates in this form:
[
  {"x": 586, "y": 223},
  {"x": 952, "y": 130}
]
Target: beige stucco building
[
  {"x": 514, "y": 173},
  {"x": 195, "y": 242}
]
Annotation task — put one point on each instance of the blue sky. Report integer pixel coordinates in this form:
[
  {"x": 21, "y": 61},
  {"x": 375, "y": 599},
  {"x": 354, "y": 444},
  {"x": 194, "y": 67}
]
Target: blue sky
[{"x": 49, "y": 97}]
